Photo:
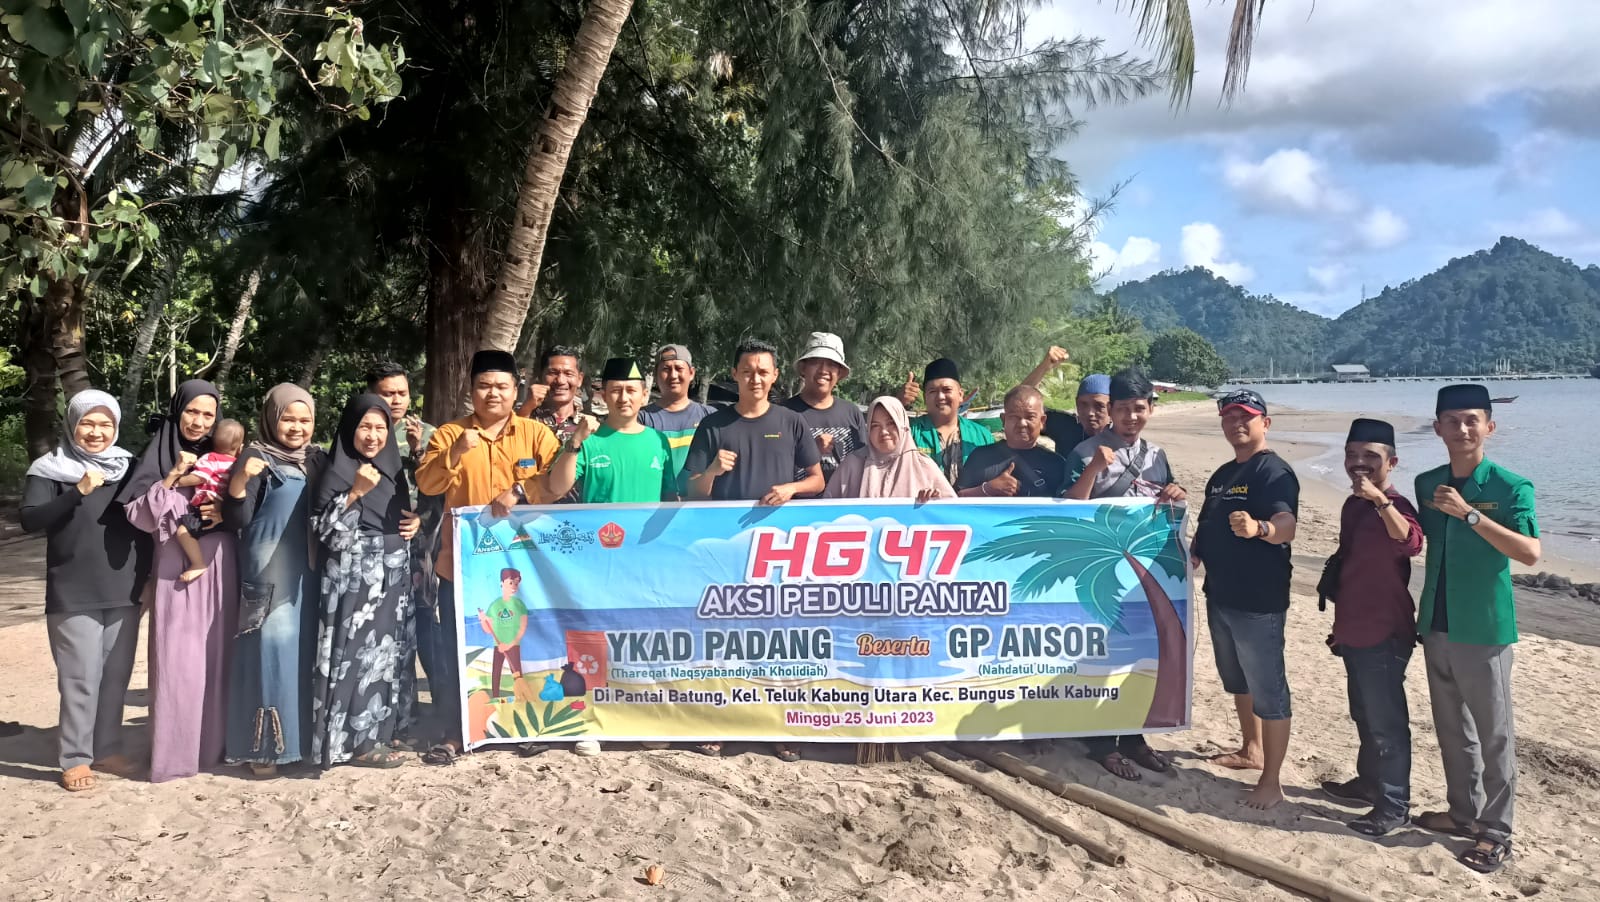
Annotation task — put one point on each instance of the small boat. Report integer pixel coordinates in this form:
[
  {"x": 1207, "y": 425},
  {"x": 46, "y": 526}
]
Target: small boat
[{"x": 1504, "y": 400}]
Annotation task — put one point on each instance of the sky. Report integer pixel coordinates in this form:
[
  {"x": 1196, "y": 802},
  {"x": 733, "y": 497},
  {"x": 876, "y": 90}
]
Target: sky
[{"x": 1375, "y": 141}]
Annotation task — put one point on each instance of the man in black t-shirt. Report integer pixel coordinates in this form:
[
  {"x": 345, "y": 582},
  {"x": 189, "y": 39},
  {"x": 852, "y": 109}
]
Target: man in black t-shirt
[
  {"x": 837, "y": 425},
  {"x": 1246, "y": 525},
  {"x": 752, "y": 451},
  {"x": 1017, "y": 467},
  {"x": 1092, "y": 405}
]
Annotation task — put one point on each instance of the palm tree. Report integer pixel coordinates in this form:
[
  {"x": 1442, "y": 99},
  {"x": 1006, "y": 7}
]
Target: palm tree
[
  {"x": 1089, "y": 552},
  {"x": 1167, "y": 26}
]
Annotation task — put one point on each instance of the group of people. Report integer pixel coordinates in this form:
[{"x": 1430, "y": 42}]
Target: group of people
[{"x": 292, "y": 589}]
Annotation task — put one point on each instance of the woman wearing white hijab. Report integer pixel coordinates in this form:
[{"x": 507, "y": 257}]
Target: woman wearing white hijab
[{"x": 95, "y": 568}]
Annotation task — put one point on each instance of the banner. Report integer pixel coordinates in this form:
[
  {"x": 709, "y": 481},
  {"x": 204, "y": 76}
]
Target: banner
[{"x": 823, "y": 621}]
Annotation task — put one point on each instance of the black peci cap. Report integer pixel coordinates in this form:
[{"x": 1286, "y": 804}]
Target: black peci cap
[
  {"x": 492, "y": 361},
  {"x": 943, "y": 368},
  {"x": 1468, "y": 396},
  {"x": 1365, "y": 430},
  {"x": 620, "y": 369}
]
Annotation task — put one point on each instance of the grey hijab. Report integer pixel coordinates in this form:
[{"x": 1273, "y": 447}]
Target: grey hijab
[{"x": 68, "y": 462}]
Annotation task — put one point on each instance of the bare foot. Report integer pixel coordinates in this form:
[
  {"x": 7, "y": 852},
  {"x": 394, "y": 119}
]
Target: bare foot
[
  {"x": 1240, "y": 760},
  {"x": 1264, "y": 796},
  {"x": 189, "y": 576}
]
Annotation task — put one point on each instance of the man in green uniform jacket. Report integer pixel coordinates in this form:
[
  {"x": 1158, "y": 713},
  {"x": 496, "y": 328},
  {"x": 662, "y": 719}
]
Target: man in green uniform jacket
[{"x": 1478, "y": 517}]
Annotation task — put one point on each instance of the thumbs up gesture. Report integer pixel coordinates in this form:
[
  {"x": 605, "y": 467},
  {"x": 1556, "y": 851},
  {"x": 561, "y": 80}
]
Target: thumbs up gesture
[
  {"x": 910, "y": 391},
  {"x": 1005, "y": 484}
]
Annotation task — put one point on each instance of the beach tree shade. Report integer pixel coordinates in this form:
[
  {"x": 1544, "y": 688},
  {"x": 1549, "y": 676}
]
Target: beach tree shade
[{"x": 1090, "y": 551}]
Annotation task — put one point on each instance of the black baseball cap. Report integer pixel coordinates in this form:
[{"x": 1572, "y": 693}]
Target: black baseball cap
[{"x": 1243, "y": 398}]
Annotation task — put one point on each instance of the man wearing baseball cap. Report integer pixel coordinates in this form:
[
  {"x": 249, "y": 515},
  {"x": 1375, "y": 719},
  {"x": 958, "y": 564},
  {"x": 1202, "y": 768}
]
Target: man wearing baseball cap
[
  {"x": 675, "y": 414},
  {"x": 1246, "y": 525},
  {"x": 838, "y": 426}
]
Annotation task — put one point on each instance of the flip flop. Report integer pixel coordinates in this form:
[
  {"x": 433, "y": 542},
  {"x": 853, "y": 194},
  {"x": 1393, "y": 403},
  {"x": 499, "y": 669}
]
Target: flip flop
[
  {"x": 378, "y": 759},
  {"x": 1151, "y": 760},
  {"x": 786, "y": 754},
  {"x": 710, "y": 749},
  {"x": 440, "y": 755},
  {"x": 1487, "y": 861},
  {"x": 79, "y": 779},
  {"x": 1441, "y": 822},
  {"x": 1119, "y": 765}
]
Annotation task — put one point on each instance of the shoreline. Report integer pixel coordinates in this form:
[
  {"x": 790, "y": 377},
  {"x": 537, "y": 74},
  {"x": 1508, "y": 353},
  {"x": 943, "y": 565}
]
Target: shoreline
[{"x": 1310, "y": 440}]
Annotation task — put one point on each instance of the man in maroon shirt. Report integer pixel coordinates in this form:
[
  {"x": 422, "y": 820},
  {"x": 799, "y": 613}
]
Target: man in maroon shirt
[{"x": 1374, "y": 626}]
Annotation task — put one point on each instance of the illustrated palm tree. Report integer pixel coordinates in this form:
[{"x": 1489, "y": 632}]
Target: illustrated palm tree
[{"x": 1089, "y": 552}]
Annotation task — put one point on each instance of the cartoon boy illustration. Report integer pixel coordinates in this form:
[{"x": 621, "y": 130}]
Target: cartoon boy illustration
[{"x": 506, "y": 619}]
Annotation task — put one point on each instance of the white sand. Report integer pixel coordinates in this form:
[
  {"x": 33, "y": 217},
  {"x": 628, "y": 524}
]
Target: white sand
[{"x": 556, "y": 826}]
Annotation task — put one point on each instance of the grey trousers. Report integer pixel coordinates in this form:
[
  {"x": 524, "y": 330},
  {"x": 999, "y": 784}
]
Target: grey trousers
[
  {"x": 1470, "y": 690},
  {"x": 94, "y": 661}
]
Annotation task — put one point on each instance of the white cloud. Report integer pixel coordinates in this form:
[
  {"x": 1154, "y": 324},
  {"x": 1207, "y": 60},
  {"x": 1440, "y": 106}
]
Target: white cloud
[
  {"x": 1529, "y": 162},
  {"x": 1138, "y": 258},
  {"x": 1287, "y": 181},
  {"x": 1381, "y": 228},
  {"x": 1202, "y": 245},
  {"x": 1541, "y": 225},
  {"x": 1328, "y": 277}
]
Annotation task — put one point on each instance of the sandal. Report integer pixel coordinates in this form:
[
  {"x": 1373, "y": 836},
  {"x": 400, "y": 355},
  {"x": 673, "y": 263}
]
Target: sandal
[
  {"x": 786, "y": 754},
  {"x": 264, "y": 770},
  {"x": 1441, "y": 822},
  {"x": 1150, "y": 759},
  {"x": 378, "y": 759},
  {"x": 1487, "y": 860},
  {"x": 441, "y": 755},
  {"x": 79, "y": 779},
  {"x": 710, "y": 749},
  {"x": 1119, "y": 766}
]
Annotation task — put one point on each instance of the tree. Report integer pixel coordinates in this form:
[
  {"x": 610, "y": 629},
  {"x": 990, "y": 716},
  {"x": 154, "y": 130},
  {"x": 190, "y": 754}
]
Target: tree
[
  {"x": 1091, "y": 552},
  {"x": 1185, "y": 357}
]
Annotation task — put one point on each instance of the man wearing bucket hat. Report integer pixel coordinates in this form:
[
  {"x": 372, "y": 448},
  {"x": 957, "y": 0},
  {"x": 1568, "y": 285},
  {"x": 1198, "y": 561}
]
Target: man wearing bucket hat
[
  {"x": 1246, "y": 525},
  {"x": 838, "y": 426}
]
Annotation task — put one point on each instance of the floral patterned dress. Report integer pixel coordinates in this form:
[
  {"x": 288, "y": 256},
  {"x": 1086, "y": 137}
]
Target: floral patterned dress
[{"x": 363, "y": 681}]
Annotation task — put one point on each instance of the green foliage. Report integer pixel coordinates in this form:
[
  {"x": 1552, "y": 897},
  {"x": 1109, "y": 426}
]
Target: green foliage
[
  {"x": 1183, "y": 356},
  {"x": 13, "y": 454},
  {"x": 1254, "y": 333}
]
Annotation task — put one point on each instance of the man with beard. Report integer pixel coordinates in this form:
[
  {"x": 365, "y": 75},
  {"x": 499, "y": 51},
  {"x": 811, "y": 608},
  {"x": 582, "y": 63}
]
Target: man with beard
[
  {"x": 1018, "y": 467},
  {"x": 943, "y": 433},
  {"x": 1246, "y": 525},
  {"x": 554, "y": 400},
  {"x": 1374, "y": 626},
  {"x": 674, "y": 414},
  {"x": 491, "y": 456},
  {"x": 1478, "y": 518},
  {"x": 838, "y": 426}
]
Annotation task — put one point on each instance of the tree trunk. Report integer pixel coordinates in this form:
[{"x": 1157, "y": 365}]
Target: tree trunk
[
  {"x": 575, "y": 88},
  {"x": 241, "y": 317},
  {"x": 1169, "y": 704},
  {"x": 64, "y": 306},
  {"x": 39, "y": 366},
  {"x": 457, "y": 286},
  {"x": 314, "y": 362},
  {"x": 133, "y": 382}
]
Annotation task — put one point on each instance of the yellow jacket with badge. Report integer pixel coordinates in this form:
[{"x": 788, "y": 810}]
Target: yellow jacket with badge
[
  {"x": 1478, "y": 578},
  {"x": 519, "y": 454}
]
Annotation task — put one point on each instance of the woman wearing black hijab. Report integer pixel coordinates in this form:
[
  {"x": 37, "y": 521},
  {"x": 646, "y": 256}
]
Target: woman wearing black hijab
[
  {"x": 363, "y": 675},
  {"x": 192, "y": 624}
]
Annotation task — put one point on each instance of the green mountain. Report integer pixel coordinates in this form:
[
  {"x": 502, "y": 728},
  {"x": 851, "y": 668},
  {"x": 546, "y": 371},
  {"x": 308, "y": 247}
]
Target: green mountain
[
  {"x": 1513, "y": 302},
  {"x": 1253, "y": 333}
]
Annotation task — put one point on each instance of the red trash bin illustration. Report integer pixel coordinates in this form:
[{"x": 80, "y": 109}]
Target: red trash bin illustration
[{"x": 586, "y": 652}]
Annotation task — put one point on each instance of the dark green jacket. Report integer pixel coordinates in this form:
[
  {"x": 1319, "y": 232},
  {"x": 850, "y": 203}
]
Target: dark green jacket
[
  {"x": 1478, "y": 578},
  {"x": 925, "y": 436}
]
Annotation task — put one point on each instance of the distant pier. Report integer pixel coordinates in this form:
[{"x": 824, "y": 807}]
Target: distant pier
[{"x": 1329, "y": 377}]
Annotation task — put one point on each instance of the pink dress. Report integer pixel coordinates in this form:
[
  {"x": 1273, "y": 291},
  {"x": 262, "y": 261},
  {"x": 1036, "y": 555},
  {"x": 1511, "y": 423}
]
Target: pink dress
[{"x": 191, "y": 629}]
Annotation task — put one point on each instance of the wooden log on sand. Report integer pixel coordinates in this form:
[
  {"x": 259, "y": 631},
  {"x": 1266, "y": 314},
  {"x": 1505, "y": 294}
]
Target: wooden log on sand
[
  {"x": 1024, "y": 806},
  {"x": 1165, "y": 827}
]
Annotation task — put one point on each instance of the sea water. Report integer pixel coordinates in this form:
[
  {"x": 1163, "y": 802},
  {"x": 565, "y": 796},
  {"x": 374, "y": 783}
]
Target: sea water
[{"x": 1550, "y": 434}]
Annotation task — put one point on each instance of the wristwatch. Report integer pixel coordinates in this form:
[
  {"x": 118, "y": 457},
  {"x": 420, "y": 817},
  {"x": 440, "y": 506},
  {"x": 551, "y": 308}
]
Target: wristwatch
[{"x": 1472, "y": 518}]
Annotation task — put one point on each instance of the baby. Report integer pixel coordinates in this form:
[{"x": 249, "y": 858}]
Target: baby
[{"x": 209, "y": 475}]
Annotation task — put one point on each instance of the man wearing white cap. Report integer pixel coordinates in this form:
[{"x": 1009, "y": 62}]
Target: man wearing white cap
[
  {"x": 838, "y": 426},
  {"x": 674, "y": 414}
]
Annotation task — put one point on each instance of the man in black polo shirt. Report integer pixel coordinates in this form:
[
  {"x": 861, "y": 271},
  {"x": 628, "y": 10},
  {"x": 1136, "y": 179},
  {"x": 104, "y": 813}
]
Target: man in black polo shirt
[
  {"x": 752, "y": 450},
  {"x": 1018, "y": 467},
  {"x": 1246, "y": 525}
]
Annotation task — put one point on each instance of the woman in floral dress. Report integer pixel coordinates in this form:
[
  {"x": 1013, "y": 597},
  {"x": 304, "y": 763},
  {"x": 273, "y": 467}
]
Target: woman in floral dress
[{"x": 362, "y": 683}]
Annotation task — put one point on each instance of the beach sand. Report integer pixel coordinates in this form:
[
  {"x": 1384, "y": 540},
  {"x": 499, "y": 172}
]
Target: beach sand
[{"x": 556, "y": 826}]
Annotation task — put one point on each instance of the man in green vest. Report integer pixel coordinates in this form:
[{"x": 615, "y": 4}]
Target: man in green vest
[
  {"x": 943, "y": 433},
  {"x": 1478, "y": 517}
]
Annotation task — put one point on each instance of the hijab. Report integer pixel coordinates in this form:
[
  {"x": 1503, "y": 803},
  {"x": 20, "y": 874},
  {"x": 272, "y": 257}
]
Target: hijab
[
  {"x": 904, "y": 472},
  {"x": 381, "y": 507},
  {"x": 272, "y": 408},
  {"x": 68, "y": 462},
  {"x": 167, "y": 441}
]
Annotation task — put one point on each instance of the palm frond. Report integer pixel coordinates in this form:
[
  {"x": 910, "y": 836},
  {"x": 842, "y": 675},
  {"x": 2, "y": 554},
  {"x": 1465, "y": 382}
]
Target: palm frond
[
  {"x": 1241, "y": 41},
  {"x": 1166, "y": 27}
]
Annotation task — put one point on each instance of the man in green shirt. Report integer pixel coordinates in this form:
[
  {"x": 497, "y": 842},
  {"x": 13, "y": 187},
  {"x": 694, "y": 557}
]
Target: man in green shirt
[
  {"x": 943, "y": 433},
  {"x": 1478, "y": 517},
  {"x": 505, "y": 620},
  {"x": 623, "y": 462}
]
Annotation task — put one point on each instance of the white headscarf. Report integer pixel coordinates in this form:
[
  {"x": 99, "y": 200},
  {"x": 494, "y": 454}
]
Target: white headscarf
[{"x": 68, "y": 462}]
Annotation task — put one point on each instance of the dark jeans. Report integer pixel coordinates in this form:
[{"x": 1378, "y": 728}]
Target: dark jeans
[
  {"x": 445, "y": 681},
  {"x": 1101, "y": 746},
  {"x": 427, "y": 623},
  {"x": 1377, "y": 688}
]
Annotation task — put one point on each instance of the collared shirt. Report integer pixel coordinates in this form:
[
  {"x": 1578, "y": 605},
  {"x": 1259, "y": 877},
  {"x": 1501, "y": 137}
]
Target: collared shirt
[
  {"x": 519, "y": 454},
  {"x": 1374, "y": 601},
  {"x": 563, "y": 427},
  {"x": 1140, "y": 469},
  {"x": 950, "y": 458},
  {"x": 1482, "y": 608}
]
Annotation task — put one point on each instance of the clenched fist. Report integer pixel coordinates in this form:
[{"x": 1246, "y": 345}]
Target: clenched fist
[
  {"x": 466, "y": 441},
  {"x": 724, "y": 462},
  {"x": 1056, "y": 355},
  {"x": 254, "y": 466},
  {"x": 585, "y": 428},
  {"x": 92, "y": 479},
  {"x": 1103, "y": 457},
  {"x": 1244, "y": 526},
  {"x": 185, "y": 463},
  {"x": 367, "y": 477}
]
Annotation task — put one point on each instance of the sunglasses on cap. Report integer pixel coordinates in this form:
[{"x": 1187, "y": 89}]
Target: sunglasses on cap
[{"x": 1245, "y": 399}]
